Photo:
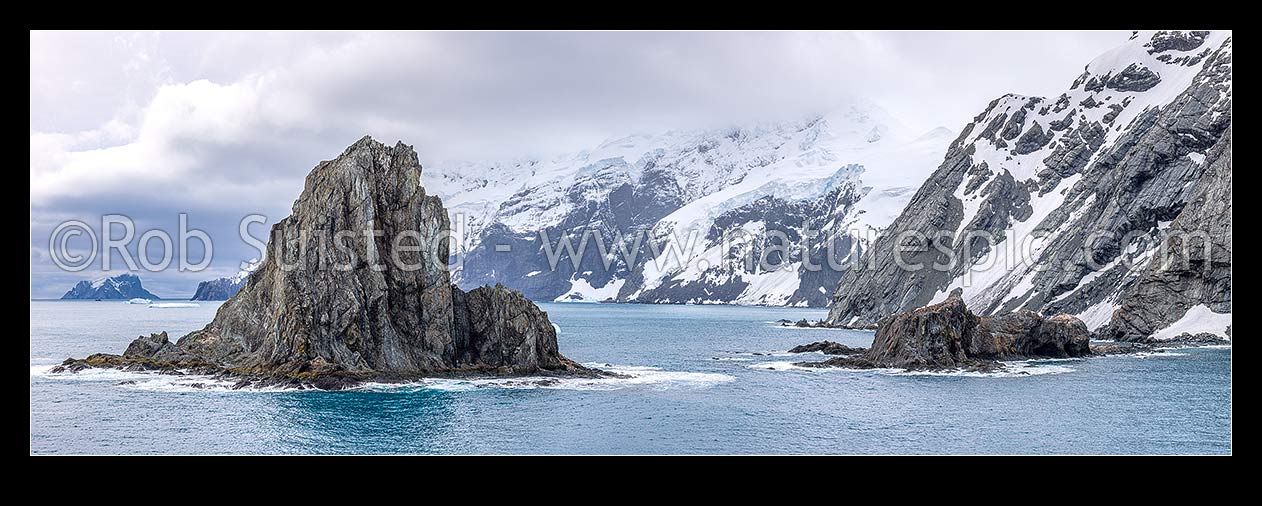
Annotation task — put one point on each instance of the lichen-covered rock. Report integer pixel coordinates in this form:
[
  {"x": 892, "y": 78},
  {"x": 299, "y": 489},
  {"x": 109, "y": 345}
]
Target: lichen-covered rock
[
  {"x": 937, "y": 336},
  {"x": 1007, "y": 334},
  {"x": 949, "y": 336},
  {"x": 1060, "y": 336}
]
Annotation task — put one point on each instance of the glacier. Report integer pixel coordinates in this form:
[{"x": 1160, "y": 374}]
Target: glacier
[{"x": 665, "y": 207}]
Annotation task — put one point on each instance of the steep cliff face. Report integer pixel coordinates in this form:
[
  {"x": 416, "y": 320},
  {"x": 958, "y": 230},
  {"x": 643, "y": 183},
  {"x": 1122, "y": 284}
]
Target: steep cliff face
[
  {"x": 1061, "y": 205},
  {"x": 1197, "y": 270},
  {"x": 329, "y": 287},
  {"x": 355, "y": 283}
]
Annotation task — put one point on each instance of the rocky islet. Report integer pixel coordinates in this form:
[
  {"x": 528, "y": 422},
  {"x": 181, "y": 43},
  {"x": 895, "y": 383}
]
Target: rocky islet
[{"x": 372, "y": 308}]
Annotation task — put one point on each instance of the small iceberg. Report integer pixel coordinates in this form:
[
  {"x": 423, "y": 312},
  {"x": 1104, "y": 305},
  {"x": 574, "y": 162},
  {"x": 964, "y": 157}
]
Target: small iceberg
[
  {"x": 139, "y": 301},
  {"x": 170, "y": 305}
]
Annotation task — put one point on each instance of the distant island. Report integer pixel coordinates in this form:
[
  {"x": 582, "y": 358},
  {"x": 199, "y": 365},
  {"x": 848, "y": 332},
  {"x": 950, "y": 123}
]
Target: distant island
[
  {"x": 120, "y": 287},
  {"x": 223, "y": 288}
]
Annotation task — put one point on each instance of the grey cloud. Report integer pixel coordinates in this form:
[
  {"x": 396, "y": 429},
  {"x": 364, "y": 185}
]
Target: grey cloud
[{"x": 221, "y": 125}]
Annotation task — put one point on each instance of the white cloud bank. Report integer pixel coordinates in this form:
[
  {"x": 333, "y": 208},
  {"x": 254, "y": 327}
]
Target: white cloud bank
[{"x": 220, "y": 125}]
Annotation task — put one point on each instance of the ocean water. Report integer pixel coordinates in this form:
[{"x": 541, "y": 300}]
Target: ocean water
[{"x": 705, "y": 379}]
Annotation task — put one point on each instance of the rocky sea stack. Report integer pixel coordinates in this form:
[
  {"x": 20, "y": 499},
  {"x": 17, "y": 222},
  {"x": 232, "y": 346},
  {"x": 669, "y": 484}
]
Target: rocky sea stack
[
  {"x": 355, "y": 287},
  {"x": 949, "y": 336}
]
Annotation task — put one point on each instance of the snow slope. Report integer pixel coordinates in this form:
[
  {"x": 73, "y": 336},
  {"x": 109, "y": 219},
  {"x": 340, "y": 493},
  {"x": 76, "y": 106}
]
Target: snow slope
[
  {"x": 678, "y": 183},
  {"x": 1076, "y": 192}
]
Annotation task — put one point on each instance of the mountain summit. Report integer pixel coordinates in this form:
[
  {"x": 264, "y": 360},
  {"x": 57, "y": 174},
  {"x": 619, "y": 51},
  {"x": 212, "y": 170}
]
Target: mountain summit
[{"x": 1081, "y": 193}]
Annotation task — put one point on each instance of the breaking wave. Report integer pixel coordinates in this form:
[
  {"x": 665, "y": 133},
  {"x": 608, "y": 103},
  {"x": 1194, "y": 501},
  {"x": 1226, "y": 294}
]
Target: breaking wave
[
  {"x": 1013, "y": 369},
  {"x": 633, "y": 376},
  {"x": 149, "y": 381},
  {"x": 630, "y": 377}
]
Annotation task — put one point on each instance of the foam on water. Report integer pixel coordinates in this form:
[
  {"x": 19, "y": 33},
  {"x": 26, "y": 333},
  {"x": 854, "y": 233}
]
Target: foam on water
[
  {"x": 807, "y": 328},
  {"x": 1012, "y": 369},
  {"x": 772, "y": 353},
  {"x": 776, "y": 365},
  {"x": 1158, "y": 353},
  {"x": 634, "y": 376},
  {"x": 149, "y": 381}
]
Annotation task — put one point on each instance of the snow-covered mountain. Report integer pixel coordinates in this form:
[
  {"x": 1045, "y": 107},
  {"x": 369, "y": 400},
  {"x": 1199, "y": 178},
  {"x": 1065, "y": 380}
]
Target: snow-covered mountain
[
  {"x": 224, "y": 288},
  {"x": 719, "y": 216},
  {"x": 1080, "y": 193},
  {"x": 122, "y": 286}
]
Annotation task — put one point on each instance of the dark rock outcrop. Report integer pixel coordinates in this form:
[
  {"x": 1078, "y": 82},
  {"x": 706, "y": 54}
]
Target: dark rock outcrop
[
  {"x": 120, "y": 287},
  {"x": 949, "y": 336},
  {"x": 1134, "y": 77},
  {"x": 159, "y": 348},
  {"x": 1033, "y": 140},
  {"x": 1175, "y": 40},
  {"x": 334, "y": 302},
  {"x": 827, "y": 348},
  {"x": 1024, "y": 333},
  {"x": 498, "y": 327}
]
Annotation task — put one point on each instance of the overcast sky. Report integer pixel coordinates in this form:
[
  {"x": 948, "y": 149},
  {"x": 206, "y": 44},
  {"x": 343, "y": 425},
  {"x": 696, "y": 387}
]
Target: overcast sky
[{"x": 224, "y": 124}]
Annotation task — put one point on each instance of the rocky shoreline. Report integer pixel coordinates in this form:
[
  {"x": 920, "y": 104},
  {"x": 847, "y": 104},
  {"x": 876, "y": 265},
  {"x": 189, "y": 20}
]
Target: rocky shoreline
[
  {"x": 1182, "y": 341},
  {"x": 165, "y": 360},
  {"x": 949, "y": 337}
]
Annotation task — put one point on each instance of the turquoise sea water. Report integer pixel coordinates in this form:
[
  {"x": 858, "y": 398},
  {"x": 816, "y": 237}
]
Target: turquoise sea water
[{"x": 705, "y": 379}]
